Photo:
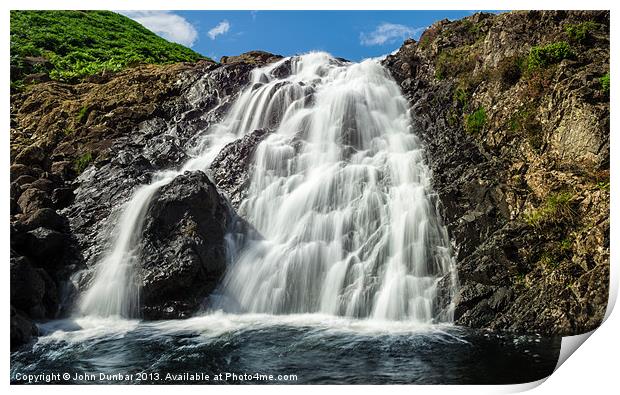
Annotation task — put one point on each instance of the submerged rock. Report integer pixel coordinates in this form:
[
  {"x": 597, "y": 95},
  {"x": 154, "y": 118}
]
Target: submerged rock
[{"x": 184, "y": 245}]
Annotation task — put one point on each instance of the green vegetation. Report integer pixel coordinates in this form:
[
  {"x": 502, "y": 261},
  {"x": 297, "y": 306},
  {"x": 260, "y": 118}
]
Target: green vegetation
[
  {"x": 427, "y": 38},
  {"x": 82, "y": 162},
  {"x": 82, "y": 114},
  {"x": 547, "y": 261},
  {"x": 603, "y": 186},
  {"x": 566, "y": 245},
  {"x": 557, "y": 209},
  {"x": 475, "y": 121},
  {"x": 461, "y": 96},
  {"x": 557, "y": 252},
  {"x": 580, "y": 32},
  {"x": 72, "y": 44},
  {"x": 472, "y": 28},
  {"x": 604, "y": 81},
  {"x": 525, "y": 122},
  {"x": 454, "y": 62},
  {"x": 425, "y": 41},
  {"x": 543, "y": 56},
  {"x": 521, "y": 279}
]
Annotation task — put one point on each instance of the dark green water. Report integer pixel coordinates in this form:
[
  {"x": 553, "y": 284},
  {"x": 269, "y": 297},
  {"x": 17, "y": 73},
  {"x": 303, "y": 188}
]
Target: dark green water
[{"x": 307, "y": 349}]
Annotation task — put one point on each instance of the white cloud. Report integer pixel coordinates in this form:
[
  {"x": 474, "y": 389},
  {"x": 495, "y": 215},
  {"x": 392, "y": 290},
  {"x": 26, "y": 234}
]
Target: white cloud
[
  {"x": 166, "y": 24},
  {"x": 388, "y": 33},
  {"x": 221, "y": 28}
]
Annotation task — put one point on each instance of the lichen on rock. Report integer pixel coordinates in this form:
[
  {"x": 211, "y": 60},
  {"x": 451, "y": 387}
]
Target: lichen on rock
[{"x": 525, "y": 188}]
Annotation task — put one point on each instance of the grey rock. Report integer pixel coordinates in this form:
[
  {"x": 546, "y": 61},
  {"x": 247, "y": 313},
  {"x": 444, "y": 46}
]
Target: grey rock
[
  {"x": 516, "y": 275},
  {"x": 27, "y": 287},
  {"x": 33, "y": 199},
  {"x": 231, "y": 167},
  {"x": 22, "y": 329},
  {"x": 44, "y": 217}
]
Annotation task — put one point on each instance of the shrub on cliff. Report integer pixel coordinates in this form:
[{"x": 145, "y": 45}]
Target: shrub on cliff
[
  {"x": 543, "y": 56},
  {"x": 605, "y": 83},
  {"x": 82, "y": 162},
  {"x": 475, "y": 121},
  {"x": 556, "y": 209},
  {"x": 580, "y": 32},
  {"x": 71, "y": 44}
]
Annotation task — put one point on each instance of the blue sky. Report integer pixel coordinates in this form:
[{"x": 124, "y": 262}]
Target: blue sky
[{"x": 353, "y": 35}]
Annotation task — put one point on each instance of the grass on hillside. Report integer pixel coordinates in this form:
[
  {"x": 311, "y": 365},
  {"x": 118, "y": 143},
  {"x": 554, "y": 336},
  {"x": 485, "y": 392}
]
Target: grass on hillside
[{"x": 69, "y": 45}]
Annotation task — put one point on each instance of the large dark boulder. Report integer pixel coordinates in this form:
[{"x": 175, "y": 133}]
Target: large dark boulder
[
  {"x": 44, "y": 217},
  {"x": 46, "y": 245},
  {"x": 231, "y": 167},
  {"x": 184, "y": 245},
  {"x": 22, "y": 329},
  {"x": 27, "y": 286},
  {"x": 33, "y": 199}
]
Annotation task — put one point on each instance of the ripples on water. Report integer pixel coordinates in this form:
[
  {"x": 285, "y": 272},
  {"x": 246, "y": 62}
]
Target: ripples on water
[{"x": 318, "y": 349}]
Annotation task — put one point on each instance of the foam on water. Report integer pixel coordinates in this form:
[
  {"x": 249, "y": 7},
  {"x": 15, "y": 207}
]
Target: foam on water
[{"x": 218, "y": 324}]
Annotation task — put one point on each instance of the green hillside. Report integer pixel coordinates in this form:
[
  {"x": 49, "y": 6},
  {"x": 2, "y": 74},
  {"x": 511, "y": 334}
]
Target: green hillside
[{"x": 72, "y": 44}]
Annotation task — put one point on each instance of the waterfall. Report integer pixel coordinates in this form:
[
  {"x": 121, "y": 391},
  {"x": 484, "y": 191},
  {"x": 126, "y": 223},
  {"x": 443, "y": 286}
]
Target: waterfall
[
  {"x": 340, "y": 191},
  {"x": 115, "y": 289}
]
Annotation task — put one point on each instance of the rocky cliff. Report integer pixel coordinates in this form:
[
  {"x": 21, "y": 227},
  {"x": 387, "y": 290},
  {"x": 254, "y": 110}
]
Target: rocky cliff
[
  {"x": 79, "y": 151},
  {"x": 514, "y": 112}
]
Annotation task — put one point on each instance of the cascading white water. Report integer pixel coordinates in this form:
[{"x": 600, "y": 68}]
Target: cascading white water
[
  {"x": 115, "y": 288},
  {"x": 339, "y": 190}
]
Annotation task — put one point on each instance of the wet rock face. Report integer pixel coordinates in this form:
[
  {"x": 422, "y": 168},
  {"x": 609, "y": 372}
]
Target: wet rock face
[
  {"x": 22, "y": 329},
  {"x": 33, "y": 292},
  {"x": 183, "y": 252},
  {"x": 231, "y": 167},
  {"x": 79, "y": 151},
  {"x": 156, "y": 144},
  {"x": 520, "y": 162}
]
